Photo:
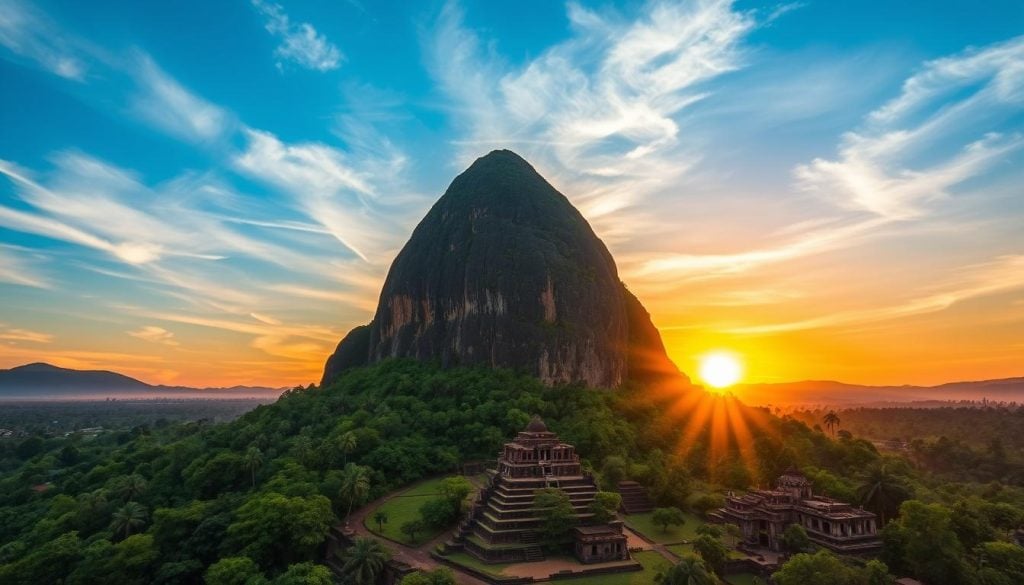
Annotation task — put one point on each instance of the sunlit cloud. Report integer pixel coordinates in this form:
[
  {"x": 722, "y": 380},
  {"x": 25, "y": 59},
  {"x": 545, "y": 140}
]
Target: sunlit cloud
[
  {"x": 17, "y": 335},
  {"x": 1005, "y": 273},
  {"x": 154, "y": 334},
  {"x": 300, "y": 43}
]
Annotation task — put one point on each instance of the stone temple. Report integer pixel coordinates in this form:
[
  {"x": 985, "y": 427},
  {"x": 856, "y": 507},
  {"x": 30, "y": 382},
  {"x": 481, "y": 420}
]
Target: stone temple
[
  {"x": 504, "y": 523},
  {"x": 763, "y": 515}
]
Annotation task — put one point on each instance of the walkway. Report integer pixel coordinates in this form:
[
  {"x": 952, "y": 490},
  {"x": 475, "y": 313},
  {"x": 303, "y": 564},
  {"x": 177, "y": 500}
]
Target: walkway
[{"x": 418, "y": 556}]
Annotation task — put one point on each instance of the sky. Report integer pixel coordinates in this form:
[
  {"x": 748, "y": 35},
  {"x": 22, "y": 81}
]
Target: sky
[{"x": 211, "y": 193}]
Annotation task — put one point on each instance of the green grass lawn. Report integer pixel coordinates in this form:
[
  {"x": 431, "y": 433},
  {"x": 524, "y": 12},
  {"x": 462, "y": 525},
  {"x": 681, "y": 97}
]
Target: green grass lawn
[
  {"x": 653, "y": 564},
  {"x": 644, "y": 524},
  {"x": 686, "y": 549},
  {"x": 403, "y": 508}
]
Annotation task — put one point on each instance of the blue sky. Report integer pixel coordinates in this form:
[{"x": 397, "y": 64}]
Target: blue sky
[{"x": 211, "y": 192}]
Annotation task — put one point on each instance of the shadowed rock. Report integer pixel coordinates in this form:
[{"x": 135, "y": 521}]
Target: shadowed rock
[{"x": 503, "y": 271}]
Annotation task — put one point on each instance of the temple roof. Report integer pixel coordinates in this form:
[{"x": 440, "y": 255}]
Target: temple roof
[{"x": 536, "y": 425}]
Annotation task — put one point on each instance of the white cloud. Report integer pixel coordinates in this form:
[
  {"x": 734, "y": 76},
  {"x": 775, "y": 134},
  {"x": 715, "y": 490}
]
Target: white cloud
[
  {"x": 339, "y": 193},
  {"x": 300, "y": 43},
  {"x": 154, "y": 334},
  {"x": 600, "y": 112},
  {"x": 899, "y": 163},
  {"x": 28, "y": 33},
  {"x": 168, "y": 105},
  {"x": 998, "y": 69}
]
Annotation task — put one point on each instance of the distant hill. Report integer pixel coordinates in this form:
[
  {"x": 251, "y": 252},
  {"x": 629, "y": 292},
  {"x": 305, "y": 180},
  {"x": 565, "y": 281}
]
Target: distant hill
[
  {"x": 839, "y": 393},
  {"x": 41, "y": 381}
]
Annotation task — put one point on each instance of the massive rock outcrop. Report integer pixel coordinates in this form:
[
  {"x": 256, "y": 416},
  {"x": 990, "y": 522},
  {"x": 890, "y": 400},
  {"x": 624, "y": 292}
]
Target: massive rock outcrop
[{"x": 504, "y": 271}]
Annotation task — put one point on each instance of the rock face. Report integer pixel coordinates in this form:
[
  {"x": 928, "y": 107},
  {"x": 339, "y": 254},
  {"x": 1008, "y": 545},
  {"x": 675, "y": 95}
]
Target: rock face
[{"x": 504, "y": 271}]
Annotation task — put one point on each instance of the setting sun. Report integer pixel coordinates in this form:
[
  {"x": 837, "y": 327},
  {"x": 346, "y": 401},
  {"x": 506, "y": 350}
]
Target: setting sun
[{"x": 720, "y": 369}]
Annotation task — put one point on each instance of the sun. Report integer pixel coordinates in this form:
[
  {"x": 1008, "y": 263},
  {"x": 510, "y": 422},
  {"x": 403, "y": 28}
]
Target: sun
[{"x": 720, "y": 369}]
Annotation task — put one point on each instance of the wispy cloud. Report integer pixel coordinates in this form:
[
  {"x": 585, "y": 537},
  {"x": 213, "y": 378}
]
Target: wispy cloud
[
  {"x": 15, "y": 270},
  {"x": 300, "y": 43},
  {"x": 154, "y": 334},
  {"x": 601, "y": 109},
  {"x": 17, "y": 335},
  {"x": 171, "y": 107},
  {"x": 951, "y": 97},
  {"x": 28, "y": 33},
  {"x": 337, "y": 192},
  {"x": 1002, "y": 274}
]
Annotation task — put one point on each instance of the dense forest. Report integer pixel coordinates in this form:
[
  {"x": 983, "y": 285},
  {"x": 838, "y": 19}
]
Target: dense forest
[{"x": 184, "y": 502}]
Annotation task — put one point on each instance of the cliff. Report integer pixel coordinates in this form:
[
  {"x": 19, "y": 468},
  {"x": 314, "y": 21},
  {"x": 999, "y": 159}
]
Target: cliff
[{"x": 503, "y": 271}]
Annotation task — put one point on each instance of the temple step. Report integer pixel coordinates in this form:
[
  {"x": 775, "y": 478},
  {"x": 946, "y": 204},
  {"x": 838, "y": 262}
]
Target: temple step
[
  {"x": 534, "y": 553},
  {"x": 634, "y": 498}
]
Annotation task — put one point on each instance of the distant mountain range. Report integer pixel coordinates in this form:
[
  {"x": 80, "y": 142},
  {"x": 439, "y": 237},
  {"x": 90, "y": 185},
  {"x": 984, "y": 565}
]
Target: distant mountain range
[
  {"x": 839, "y": 393},
  {"x": 40, "y": 381}
]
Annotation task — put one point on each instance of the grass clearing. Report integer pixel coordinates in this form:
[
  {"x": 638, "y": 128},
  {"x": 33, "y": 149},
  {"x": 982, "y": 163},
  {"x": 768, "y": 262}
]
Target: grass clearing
[
  {"x": 687, "y": 549},
  {"x": 644, "y": 524},
  {"x": 403, "y": 508}
]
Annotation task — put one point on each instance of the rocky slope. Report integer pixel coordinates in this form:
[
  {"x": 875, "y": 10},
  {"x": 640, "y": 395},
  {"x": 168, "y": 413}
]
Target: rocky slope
[{"x": 504, "y": 271}]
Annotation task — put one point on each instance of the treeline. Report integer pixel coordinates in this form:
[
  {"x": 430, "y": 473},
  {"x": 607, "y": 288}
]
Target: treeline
[{"x": 182, "y": 502}]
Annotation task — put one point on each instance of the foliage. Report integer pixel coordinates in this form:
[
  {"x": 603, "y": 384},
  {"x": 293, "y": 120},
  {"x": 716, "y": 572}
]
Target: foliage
[
  {"x": 604, "y": 506},
  {"x": 212, "y": 498},
  {"x": 413, "y": 527},
  {"x": 234, "y": 571},
  {"x": 882, "y": 491},
  {"x": 666, "y": 517},
  {"x": 363, "y": 562},
  {"x": 690, "y": 570},
  {"x": 381, "y": 518},
  {"x": 824, "y": 568},
  {"x": 556, "y": 514},
  {"x": 795, "y": 539},
  {"x": 442, "y": 576},
  {"x": 278, "y": 529},
  {"x": 711, "y": 551}
]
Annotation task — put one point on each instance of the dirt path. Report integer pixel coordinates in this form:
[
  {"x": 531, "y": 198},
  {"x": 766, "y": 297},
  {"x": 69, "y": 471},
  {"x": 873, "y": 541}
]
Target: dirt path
[{"x": 418, "y": 556}]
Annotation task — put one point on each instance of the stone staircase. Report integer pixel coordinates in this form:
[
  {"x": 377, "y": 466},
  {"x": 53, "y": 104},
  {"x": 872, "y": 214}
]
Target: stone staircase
[
  {"x": 533, "y": 553},
  {"x": 634, "y": 498}
]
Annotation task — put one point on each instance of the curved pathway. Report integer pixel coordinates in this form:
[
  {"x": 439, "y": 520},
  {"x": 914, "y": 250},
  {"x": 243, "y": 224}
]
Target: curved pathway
[{"x": 415, "y": 556}]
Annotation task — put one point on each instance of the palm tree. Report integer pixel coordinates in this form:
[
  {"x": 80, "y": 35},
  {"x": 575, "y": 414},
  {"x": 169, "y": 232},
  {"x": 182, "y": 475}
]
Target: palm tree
[
  {"x": 689, "y": 571},
  {"x": 381, "y": 518},
  {"x": 252, "y": 461},
  {"x": 130, "y": 487},
  {"x": 355, "y": 485},
  {"x": 347, "y": 443},
  {"x": 831, "y": 421},
  {"x": 882, "y": 492},
  {"x": 363, "y": 562},
  {"x": 129, "y": 517}
]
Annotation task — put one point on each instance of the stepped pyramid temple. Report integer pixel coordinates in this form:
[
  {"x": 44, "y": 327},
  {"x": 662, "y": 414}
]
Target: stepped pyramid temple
[
  {"x": 763, "y": 515},
  {"x": 504, "y": 524}
]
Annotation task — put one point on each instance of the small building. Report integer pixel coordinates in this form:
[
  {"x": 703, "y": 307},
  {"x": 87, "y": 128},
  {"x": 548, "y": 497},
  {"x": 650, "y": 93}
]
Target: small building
[
  {"x": 763, "y": 515},
  {"x": 600, "y": 544}
]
